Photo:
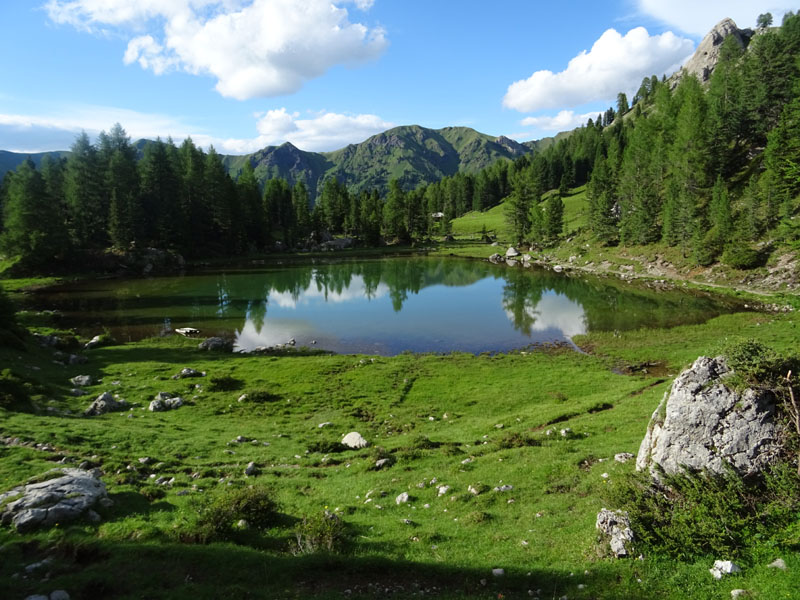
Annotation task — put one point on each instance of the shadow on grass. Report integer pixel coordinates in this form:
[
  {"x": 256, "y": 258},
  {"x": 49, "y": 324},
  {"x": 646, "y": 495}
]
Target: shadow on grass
[{"x": 181, "y": 571}]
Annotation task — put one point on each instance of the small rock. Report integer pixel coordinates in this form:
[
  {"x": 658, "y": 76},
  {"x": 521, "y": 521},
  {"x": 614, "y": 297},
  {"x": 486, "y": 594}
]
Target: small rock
[
  {"x": 325, "y": 424},
  {"x": 189, "y": 372},
  {"x": 739, "y": 593},
  {"x": 617, "y": 526},
  {"x": 93, "y": 343},
  {"x": 723, "y": 567},
  {"x": 37, "y": 597},
  {"x": 504, "y": 488},
  {"x": 215, "y": 343},
  {"x": 443, "y": 489},
  {"x": 382, "y": 462},
  {"x": 59, "y": 595},
  {"x": 498, "y": 572},
  {"x": 251, "y": 469},
  {"x": 778, "y": 563},
  {"x": 105, "y": 403},
  {"x": 242, "y": 398},
  {"x": 242, "y": 523},
  {"x": 566, "y": 432},
  {"x": 401, "y": 498},
  {"x": 623, "y": 457},
  {"x": 82, "y": 380},
  {"x": 354, "y": 440}
]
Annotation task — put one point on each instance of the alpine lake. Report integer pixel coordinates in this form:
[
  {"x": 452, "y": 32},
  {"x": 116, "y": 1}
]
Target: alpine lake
[{"x": 380, "y": 306}]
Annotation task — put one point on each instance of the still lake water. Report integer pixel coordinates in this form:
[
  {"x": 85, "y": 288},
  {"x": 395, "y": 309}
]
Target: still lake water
[{"x": 383, "y": 306}]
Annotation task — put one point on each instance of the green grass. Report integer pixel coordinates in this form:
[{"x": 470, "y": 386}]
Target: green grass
[{"x": 429, "y": 413}]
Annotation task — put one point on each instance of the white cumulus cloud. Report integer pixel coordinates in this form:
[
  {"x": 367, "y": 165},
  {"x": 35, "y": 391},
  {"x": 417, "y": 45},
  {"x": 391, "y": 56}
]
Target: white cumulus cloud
[
  {"x": 615, "y": 63},
  {"x": 57, "y": 131},
  {"x": 563, "y": 121},
  {"x": 254, "y": 48},
  {"x": 698, "y": 18},
  {"x": 321, "y": 132}
]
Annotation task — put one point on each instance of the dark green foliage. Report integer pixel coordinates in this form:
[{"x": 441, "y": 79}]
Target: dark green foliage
[
  {"x": 321, "y": 532},
  {"x": 260, "y": 395},
  {"x": 756, "y": 364},
  {"x": 216, "y": 515},
  {"x": 700, "y": 515},
  {"x": 517, "y": 440},
  {"x": 14, "y": 392},
  {"x": 32, "y": 229},
  {"x": 327, "y": 447},
  {"x": 224, "y": 383},
  {"x": 7, "y": 311},
  {"x": 742, "y": 256}
]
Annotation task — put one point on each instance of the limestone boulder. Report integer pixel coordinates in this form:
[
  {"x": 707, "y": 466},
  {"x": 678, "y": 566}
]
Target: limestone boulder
[
  {"x": 64, "y": 495},
  {"x": 615, "y": 527},
  {"x": 355, "y": 440},
  {"x": 105, "y": 403},
  {"x": 701, "y": 424}
]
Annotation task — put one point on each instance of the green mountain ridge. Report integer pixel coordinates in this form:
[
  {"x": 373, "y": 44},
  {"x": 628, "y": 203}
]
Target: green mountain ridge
[{"x": 412, "y": 154}]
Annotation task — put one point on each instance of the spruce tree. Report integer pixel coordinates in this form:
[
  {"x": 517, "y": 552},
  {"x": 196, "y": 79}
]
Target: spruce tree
[{"x": 83, "y": 190}]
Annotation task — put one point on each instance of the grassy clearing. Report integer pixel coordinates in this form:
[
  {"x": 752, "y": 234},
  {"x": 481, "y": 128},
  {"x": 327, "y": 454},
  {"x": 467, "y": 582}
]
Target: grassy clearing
[{"x": 462, "y": 420}]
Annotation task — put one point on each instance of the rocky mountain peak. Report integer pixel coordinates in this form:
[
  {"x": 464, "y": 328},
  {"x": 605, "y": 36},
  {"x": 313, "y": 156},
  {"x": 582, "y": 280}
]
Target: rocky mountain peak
[{"x": 706, "y": 56}]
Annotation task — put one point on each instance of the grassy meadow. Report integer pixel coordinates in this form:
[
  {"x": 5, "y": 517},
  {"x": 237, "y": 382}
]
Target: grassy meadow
[{"x": 453, "y": 420}]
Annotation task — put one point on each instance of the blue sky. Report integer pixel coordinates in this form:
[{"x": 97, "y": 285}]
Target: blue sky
[{"x": 244, "y": 74}]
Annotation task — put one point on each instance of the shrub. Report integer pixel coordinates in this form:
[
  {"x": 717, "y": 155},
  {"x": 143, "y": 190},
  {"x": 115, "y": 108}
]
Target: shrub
[
  {"x": 261, "y": 395},
  {"x": 517, "y": 440},
  {"x": 224, "y": 383},
  {"x": 698, "y": 514},
  {"x": 322, "y": 532},
  {"x": 327, "y": 447},
  {"x": 214, "y": 518},
  {"x": 755, "y": 363},
  {"x": 742, "y": 257},
  {"x": 14, "y": 392}
]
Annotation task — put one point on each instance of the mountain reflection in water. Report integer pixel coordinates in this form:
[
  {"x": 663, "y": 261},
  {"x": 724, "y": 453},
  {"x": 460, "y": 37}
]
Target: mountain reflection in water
[{"x": 380, "y": 306}]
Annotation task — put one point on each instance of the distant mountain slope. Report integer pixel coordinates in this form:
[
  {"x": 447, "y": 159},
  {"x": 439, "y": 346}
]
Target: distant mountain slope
[
  {"x": 10, "y": 160},
  {"x": 412, "y": 154}
]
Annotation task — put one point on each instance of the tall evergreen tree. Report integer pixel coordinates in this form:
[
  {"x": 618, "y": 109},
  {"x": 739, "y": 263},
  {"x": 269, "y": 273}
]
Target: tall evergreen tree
[
  {"x": 83, "y": 190},
  {"x": 31, "y": 232}
]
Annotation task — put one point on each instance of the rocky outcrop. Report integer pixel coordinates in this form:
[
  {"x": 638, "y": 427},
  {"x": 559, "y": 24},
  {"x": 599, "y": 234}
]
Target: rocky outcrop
[
  {"x": 701, "y": 424},
  {"x": 165, "y": 401},
  {"x": 215, "y": 343},
  {"x": 65, "y": 495},
  {"x": 705, "y": 58},
  {"x": 615, "y": 528},
  {"x": 105, "y": 403}
]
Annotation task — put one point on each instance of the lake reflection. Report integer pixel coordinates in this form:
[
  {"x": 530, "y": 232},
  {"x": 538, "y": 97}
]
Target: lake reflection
[{"x": 377, "y": 306}]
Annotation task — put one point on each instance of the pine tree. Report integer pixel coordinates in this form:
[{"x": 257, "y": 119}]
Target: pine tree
[
  {"x": 302, "y": 212},
  {"x": 83, "y": 190},
  {"x": 518, "y": 206},
  {"x": 394, "y": 211},
  {"x": 31, "y": 232},
  {"x": 249, "y": 197},
  {"x": 554, "y": 217}
]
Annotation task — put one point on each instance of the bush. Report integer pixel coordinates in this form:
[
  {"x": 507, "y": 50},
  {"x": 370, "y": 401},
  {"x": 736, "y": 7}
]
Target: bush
[
  {"x": 698, "y": 515},
  {"x": 215, "y": 518},
  {"x": 327, "y": 447},
  {"x": 756, "y": 364},
  {"x": 224, "y": 383},
  {"x": 14, "y": 392},
  {"x": 262, "y": 395},
  {"x": 322, "y": 532},
  {"x": 517, "y": 440},
  {"x": 742, "y": 257}
]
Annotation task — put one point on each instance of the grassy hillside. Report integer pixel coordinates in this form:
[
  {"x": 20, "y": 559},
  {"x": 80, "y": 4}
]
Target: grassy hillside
[{"x": 426, "y": 413}]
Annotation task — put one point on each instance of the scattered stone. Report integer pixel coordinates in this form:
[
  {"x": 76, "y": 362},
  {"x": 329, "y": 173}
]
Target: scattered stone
[
  {"x": 382, "y": 462},
  {"x": 145, "y": 460},
  {"x": 67, "y": 495},
  {"x": 325, "y": 424},
  {"x": 189, "y": 372},
  {"x": 215, "y": 343},
  {"x": 739, "y": 593},
  {"x": 512, "y": 252},
  {"x": 165, "y": 401},
  {"x": 617, "y": 526},
  {"x": 82, "y": 380},
  {"x": 401, "y": 498},
  {"x": 474, "y": 490},
  {"x": 623, "y": 457},
  {"x": 59, "y": 595},
  {"x": 251, "y": 469},
  {"x": 558, "y": 268},
  {"x": 498, "y": 572},
  {"x": 354, "y": 440},
  {"x": 703, "y": 425},
  {"x": 723, "y": 567},
  {"x": 105, "y": 403},
  {"x": 242, "y": 398},
  {"x": 93, "y": 343},
  {"x": 466, "y": 461},
  {"x": 504, "y": 488},
  {"x": 495, "y": 258},
  {"x": 187, "y": 331},
  {"x": 443, "y": 489},
  {"x": 566, "y": 432},
  {"x": 778, "y": 563}
]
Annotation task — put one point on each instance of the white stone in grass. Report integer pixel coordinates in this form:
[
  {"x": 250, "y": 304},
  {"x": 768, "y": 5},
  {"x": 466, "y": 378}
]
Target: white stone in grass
[
  {"x": 723, "y": 567},
  {"x": 401, "y": 498},
  {"x": 778, "y": 563},
  {"x": 443, "y": 489},
  {"x": 325, "y": 424},
  {"x": 623, "y": 457},
  {"x": 251, "y": 469},
  {"x": 738, "y": 593},
  {"x": 355, "y": 440},
  {"x": 498, "y": 572}
]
